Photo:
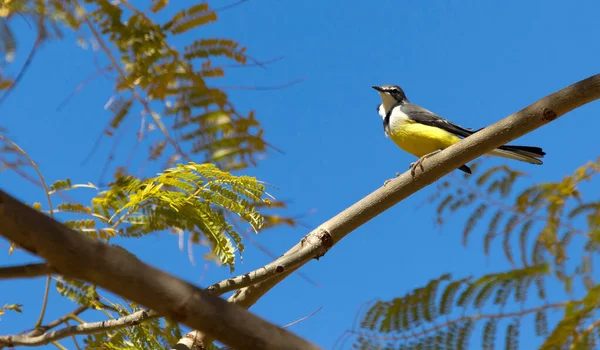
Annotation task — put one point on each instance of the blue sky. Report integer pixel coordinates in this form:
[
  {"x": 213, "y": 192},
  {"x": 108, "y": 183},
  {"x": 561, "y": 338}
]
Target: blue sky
[{"x": 473, "y": 62}]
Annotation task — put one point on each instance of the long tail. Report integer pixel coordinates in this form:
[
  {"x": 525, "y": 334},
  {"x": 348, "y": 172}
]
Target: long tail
[{"x": 526, "y": 154}]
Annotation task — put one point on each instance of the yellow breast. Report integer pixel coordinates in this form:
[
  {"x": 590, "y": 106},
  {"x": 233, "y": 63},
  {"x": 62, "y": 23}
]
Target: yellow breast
[{"x": 418, "y": 139}]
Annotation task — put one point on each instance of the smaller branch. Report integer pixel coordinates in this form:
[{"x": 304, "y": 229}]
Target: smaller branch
[
  {"x": 255, "y": 63},
  {"x": 72, "y": 315},
  {"x": 82, "y": 85},
  {"x": 188, "y": 341},
  {"x": 44, "y": 302},
  {"x": 84, "y": 328},
  {"x": 264, "y": 249},
  {"x": 47, "y": 192},
  {"x": 37, "y": 170},
  {"x": 229, "y": 6},
  {"x": 29, "y": 178},
  {"x": 306, "y": 251},
  {"x": 57, "y": 344},
  {"x": 25, "y": 271},
  {"x": 73, "y": 337},
  {"x": 28, "y": 61},
  {"x": 302, "y": 319},
  {"x": 113, "y": 149},
  {"x": 137, "y": 96}
]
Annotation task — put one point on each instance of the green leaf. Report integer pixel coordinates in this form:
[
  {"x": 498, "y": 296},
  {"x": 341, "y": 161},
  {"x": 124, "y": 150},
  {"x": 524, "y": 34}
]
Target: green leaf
[
  {"x": 10, "y": 307},
  {"x": 472, "y": 221},
  {"x": 541, "y": 323},
  {"x": 195, "y": 16}
]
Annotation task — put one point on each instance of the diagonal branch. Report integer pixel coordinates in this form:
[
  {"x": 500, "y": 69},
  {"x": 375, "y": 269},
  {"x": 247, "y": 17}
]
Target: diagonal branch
[
  {"x": 316, "y": 243},
  {"x": 115, "y": 269}
]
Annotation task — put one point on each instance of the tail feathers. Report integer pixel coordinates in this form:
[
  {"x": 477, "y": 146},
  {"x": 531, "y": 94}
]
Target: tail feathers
[
  {"x": 535, "y": 152},
  {"x": 523, "y": 153},
  {"x": 465, "y": 168}
]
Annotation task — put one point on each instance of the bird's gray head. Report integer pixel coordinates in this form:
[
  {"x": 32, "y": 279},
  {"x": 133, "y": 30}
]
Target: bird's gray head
[{"x": 390, "y": 96}]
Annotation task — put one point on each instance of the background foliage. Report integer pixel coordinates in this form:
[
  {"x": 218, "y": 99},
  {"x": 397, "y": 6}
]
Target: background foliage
[
  {"x": 163, "y": 87},
  {"x": 164, "y": 65},
  {"x": 549, "y": 233}
]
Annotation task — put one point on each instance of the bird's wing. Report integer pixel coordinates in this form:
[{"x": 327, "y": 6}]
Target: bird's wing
[{"x": 423, "y": 116}]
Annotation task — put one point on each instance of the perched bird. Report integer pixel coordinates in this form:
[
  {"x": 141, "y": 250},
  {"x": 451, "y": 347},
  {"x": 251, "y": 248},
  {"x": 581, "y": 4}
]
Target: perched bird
[{"x": 423, "y": 133}]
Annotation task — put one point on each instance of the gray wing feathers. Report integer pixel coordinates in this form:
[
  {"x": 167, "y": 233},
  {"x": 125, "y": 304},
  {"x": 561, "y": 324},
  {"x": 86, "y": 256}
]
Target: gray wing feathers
[{"x": 423, "y": 116}]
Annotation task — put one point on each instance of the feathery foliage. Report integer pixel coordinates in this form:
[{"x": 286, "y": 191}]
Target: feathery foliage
[
  {"x": 536, "y": 230},
  {"x": 162, "y": 71},
  {"x": 167, "y": 87},
  {"x": 443, "y": 313},
  {"x": 11, "y": 307},
  {"x": 189, "y": 198}
]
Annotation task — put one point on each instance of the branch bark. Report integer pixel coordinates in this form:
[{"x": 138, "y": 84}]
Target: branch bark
[
  {"x": 78, "y": 256},
  {"x": 25, "y": 271},
  {"x": 252, "y": 286}
]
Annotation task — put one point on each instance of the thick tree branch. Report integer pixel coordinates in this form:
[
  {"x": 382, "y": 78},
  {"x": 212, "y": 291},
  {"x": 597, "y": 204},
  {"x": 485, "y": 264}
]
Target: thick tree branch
[
  {"x": 25, "y": 271},
  {"x": 314, "y": 245},
  {"x": 75, "y": 255}
]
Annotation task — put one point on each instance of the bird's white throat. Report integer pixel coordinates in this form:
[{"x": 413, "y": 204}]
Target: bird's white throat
[{"x": 387, "y": 102}]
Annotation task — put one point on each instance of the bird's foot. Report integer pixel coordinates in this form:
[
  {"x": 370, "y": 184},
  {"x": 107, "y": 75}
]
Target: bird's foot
[
  {"x": 388, "y": 181},
  {"x": 414, "y": 165},
  {"x": 419, "y": 163}
]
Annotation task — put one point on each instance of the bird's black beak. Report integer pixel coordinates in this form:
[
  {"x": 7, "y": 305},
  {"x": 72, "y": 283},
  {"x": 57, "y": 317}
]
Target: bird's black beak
[{"x": 377, "y": 88}]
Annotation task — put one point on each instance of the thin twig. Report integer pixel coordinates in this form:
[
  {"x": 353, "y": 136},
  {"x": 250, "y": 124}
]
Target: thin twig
[
  {"x": 31, "y": 179},
  {"x": 47, "y": 192},
  {"x": 21, "y": 74},
  {"x": 261, "y": 64},
  {"x": 264, "y": 88},
  {"x": 229, "y": 6},
  {"x": 73, "y": 337},
  {"x": 44, "y": 302},
  {"x": 71, "y": 315},
  {"x": 82, "y": 85},
  {"x": 137, "y": 96},
  {"x": 57, "y": 344},
  {"x": 302, "y": 319}
]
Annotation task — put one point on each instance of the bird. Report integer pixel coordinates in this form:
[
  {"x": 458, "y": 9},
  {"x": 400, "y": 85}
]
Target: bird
[{"x": 422, "y": 133}]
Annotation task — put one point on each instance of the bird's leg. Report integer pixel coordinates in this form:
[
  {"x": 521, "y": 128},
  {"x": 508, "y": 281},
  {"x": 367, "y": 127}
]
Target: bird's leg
[
  {"x": 419, "y": 163},
  {"x": 387, "y": 181}
]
